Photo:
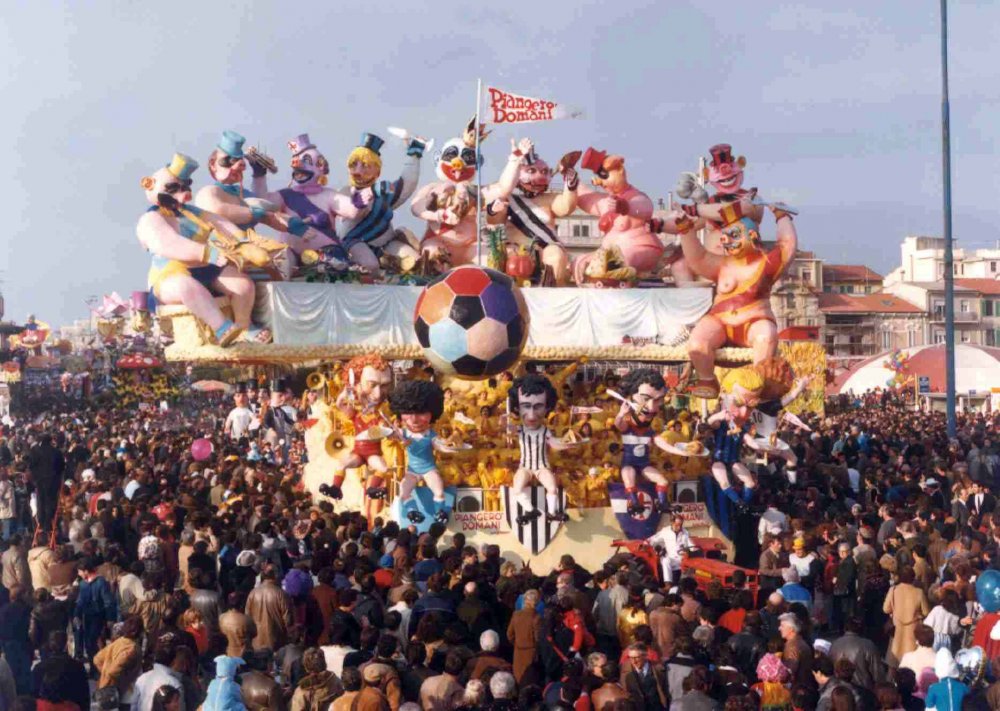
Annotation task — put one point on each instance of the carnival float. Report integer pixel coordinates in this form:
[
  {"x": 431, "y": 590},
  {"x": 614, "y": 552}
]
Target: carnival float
[{"x": 477, "y": 374}]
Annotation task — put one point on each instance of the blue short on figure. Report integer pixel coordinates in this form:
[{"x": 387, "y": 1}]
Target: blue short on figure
[
  {"x": 645, "y": 390},
  {"x": 418, "y": 403}
]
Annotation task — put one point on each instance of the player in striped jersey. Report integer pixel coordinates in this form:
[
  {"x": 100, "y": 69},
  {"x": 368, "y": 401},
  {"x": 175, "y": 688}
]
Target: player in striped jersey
[{"x": 532, "y": 397}]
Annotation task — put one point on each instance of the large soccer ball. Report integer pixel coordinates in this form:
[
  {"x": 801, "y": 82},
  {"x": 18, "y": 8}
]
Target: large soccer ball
[{"x": 472, "y": 322}]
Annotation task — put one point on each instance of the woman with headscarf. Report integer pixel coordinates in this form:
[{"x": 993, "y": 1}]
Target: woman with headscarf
[
  {"x": 523, "y": 633},
  {"x": 319, "y": 687},
  {"x": 772, "y": 689}
]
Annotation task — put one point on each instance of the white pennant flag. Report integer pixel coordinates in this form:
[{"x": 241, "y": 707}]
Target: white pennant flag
[{"x": 505, "y": 107}]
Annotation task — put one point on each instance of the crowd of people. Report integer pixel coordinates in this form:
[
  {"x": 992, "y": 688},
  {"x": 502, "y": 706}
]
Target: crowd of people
[{"x": 135, "y": 576}]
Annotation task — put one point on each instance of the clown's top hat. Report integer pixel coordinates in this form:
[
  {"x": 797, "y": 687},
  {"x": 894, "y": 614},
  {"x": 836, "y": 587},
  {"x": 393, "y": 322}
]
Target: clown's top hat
[
  {"x": 182, "y": 166},
  {"x": 231, "y": 144}
]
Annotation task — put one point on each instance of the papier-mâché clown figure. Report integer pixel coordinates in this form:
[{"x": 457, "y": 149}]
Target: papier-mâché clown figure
[
  {"x": 189, "y": 267},
  {"x": 448, "y": 206},
  {"x": 311, "y": 207}
]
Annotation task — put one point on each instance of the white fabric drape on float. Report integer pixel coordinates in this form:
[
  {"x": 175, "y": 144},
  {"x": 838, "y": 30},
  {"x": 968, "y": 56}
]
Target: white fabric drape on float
[{"x": 320, "y": 314}]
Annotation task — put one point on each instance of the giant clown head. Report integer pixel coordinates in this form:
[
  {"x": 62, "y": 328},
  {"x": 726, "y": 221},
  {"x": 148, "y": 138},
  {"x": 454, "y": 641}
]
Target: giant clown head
[
  {"x": 646, "y": 390},
  {"x": 457, "y": 161},
  {"x": 309, "y": 166},
  {"x": 532, "y": 397},
  {"x": 226, "y": 164},
  {"x": 372, "y": 377},
  {"x": 724, "y": 173},
  {"x": 172, "y": 183},
  {"x": 534, "y": 176},
  {"x": 740, "y": 239}
]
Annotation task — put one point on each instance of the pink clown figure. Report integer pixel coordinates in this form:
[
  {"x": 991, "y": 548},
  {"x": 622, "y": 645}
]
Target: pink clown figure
[
  {"x": 418, "y": 403},
  {"x": 311, "y": 208},
  {"x": 644, "y": 390},
  {"x": 226, "y": 196},
  {"x": 531, "y": 398},
  {"x": 725, "y": 174},
  {"x": 370, "y": 234},
  {"x": 625, "y": 213},
  {"x": 531, "y": 212},
  {"x": 187, "y": 268},
  {"x": 449, "y": 205}
]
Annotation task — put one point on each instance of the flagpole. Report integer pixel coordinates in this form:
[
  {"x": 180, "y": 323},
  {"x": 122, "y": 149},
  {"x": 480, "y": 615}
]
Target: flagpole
[{"x": 479, "y": 181}]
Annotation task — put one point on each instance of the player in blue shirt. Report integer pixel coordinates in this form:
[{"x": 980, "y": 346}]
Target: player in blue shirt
[{"x": 419, "y": 403}]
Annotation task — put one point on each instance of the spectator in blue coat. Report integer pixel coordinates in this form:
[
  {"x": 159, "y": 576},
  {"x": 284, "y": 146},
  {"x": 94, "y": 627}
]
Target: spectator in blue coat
[{"x": 95, "y": 609}]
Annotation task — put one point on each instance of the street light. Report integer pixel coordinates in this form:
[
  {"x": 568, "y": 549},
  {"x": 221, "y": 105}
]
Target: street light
[{"x": 949, "y": 265}]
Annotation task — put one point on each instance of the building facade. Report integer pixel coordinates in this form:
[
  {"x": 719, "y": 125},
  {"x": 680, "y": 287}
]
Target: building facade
[
  {"x": 795, "y": 297},
  {"x": 850, "y": 279},
  {"x": 929, "y": 296},
  {"x": 922, "y": 261},
  {"x": 860, "y": 326}
]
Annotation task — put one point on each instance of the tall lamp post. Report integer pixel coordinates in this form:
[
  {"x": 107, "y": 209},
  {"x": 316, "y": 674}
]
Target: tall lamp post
[{"x": 949, "y": 266}]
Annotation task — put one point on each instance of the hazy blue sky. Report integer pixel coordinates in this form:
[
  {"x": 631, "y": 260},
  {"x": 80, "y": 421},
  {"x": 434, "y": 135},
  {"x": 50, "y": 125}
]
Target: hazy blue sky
[{"x": 835, "y": 105}]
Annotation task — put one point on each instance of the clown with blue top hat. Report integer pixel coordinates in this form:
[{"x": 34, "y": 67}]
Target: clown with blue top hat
[
  {"x": 226, "y": 196},
  {"x": 370, "y": 237},
  {"x": 188, "y": 267}
]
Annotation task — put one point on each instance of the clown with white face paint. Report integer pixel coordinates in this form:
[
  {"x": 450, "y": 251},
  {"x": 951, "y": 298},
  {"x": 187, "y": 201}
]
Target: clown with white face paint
[
  {"x": 187, "y": 268},
  {"x": 418, "y": 404},
  {"x": 449, "y": 205},
  {"x": 531, "y": 398},
  {"x": 370, "y": 233},
  {"x": 644, "y": 390},
  {"x": 310, "y": 208}
]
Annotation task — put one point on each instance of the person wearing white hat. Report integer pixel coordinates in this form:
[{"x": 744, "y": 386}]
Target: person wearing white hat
[{"x": 948, "y": 693}]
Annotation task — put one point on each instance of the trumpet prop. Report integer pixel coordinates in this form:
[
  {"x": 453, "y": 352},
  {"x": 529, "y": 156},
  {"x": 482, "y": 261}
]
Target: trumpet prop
[
  {"x": 255, "y": 156},
  {"x": 315, "y": 380}
]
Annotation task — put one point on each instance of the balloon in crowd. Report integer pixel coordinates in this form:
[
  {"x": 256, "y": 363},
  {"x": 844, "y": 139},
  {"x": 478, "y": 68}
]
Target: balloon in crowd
[
  {"x": 201, "y": 449},
  {"x": 988, "y": 590}
]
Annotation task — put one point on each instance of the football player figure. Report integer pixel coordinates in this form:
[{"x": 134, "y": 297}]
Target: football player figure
[
  {"x": 369, "y": 382},
  {"x": 531, "y": 398},
  {"x": 419, "y": 403},
  {"x": 644, "y": 390}
]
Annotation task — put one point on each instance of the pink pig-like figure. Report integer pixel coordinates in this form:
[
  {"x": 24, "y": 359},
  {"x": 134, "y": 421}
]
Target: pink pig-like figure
[{"x": 625, "y": 213}]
